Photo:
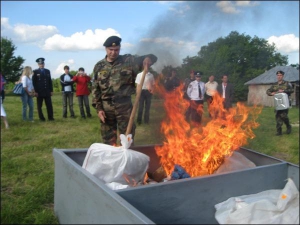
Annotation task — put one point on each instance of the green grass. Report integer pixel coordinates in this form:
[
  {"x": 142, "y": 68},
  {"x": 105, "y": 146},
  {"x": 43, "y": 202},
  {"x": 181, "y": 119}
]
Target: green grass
[{"x": 27, "y": 164}]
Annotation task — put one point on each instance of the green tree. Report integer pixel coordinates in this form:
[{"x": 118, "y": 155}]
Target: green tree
[
  {"x": 295, "y": 65},
  {"x": 56, "y": 85},
  {"x": 11, "y": 66}
]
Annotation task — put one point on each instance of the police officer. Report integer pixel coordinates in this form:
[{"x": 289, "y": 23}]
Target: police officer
[
  {"x": 187, "y": 81},
  {"x": 281, "y": 86},
  {"x": 195, "y": 91},
  {"x": 42, "y": 84},
  {"x": 114, "y": 83}
]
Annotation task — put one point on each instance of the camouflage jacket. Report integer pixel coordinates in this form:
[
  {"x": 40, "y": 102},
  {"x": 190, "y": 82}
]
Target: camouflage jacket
[
  {"x": 116, "y": 80},
  {"x": 285, "y": 85}
]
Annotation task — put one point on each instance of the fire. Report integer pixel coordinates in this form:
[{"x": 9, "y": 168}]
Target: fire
[{"x": 200, "y": 150}]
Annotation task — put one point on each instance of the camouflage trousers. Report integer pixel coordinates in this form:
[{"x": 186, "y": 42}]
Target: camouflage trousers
[
  {"x": 117, "y": 118},
  {"x": 282, "y": 117}
]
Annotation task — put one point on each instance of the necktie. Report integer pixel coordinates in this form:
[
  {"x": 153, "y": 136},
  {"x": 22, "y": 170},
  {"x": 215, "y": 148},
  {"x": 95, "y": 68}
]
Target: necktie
[{"x": 200, "y": 94}]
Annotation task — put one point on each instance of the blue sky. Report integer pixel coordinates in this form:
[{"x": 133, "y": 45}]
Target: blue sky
[{"x": 72, "y": 32}]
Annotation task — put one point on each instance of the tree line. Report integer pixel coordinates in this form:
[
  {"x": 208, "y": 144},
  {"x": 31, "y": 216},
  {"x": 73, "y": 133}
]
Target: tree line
[{"x": 239, "y": 56}]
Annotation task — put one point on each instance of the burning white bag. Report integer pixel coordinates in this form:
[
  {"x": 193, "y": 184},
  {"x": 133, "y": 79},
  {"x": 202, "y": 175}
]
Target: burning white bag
[
  {"x": 115, "y": 165},
  {"x": 267, "y": 207},
  {"x": 235, "y": 162}
]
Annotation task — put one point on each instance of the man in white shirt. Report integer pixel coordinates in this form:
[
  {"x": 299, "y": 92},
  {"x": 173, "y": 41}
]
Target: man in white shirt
[
  {"x": 196, "y": 91},
  {"x": 211, "y": 89},
  {"x": 146, "y": 96},
  {"x": 187, "y": 81}
]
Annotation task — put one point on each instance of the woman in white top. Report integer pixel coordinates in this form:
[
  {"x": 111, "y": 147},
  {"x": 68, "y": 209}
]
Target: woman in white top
[
  {"x": 27, "y": 97},
  {"x": 3, "y": 115}
]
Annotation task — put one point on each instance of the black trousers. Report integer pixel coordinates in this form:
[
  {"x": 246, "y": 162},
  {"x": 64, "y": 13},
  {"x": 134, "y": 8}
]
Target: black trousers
[
  {"x": 196, "y": 110},
  {"x": 3, "y": 95},
  {"x": 49, "y": 107},
  {"x": 145, "y": 101},
  {"x": 209, "y": 100}
]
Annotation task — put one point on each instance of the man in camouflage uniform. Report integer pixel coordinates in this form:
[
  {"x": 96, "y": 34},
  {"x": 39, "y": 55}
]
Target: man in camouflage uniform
[
  {"x": 281, "y": 86},
  {"x": 114, "y": 83}
]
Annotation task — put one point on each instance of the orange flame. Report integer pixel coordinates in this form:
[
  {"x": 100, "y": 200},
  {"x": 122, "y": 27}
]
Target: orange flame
[{"x": 200, "y": 150}]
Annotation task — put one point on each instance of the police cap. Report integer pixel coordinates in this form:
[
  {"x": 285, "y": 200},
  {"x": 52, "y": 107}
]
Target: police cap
[
  {"x": 40, "y": 60},
  {"x": 112, "y": 41},
  {"x": 198, "y": 74}
]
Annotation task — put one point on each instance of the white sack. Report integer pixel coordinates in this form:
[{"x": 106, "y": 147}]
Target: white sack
[
  {"x": 235, "y": 162},
  {"x": 267, "y": 207},
  {"x": 109, "y": 163}
]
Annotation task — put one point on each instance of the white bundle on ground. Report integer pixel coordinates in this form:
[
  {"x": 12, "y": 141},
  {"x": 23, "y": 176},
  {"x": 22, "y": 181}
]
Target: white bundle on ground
[
  {"x": 115, "y": 165},
  {"x": 267, "y": 207}
]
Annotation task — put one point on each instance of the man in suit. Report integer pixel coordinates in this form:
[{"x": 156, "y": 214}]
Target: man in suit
[
  {"x": 42, "y": 84},
  {"x": 226, "y": 90}
]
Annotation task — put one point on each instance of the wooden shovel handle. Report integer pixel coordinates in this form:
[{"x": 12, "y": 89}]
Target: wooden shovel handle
[{"x": 136, "y": 103}]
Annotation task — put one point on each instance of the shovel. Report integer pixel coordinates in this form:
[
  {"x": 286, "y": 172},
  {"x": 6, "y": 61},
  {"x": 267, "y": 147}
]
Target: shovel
[{"x": 126, "y": 139}]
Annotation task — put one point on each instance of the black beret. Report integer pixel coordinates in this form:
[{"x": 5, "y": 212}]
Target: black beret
[
  {"x": 112, "y": 41},
  {"x": 280, "y": 72},
  {"x": 40, "y": 60}
]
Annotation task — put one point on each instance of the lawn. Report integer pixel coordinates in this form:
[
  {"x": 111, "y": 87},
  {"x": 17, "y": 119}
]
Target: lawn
[{"x": 27, "y": 164}]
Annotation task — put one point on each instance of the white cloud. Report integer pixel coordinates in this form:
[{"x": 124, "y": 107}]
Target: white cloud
[
  {"x": 60, "y": 68},
  {"x": 227, "y": 7},
  {"x": 247, "y": 3},
  {"x": 169, "y": 2},
  {"x": 26, "y": 33},
  {"x": 231, "y": 7},
  {"x": 4, "y": 23},
  {"x": 181, "y": 10},
  {"x": 285, "y": 43},
  {"x": 88, "y": 40}
]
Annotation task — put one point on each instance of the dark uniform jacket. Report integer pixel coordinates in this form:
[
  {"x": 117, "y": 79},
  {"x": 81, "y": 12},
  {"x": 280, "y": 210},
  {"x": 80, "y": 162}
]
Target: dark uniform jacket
[
  {"x": 42, "y": 82},
  {"x": 66, "y": 83},
  {"x": 171, "y": 84},
  {"x": 229, "y": 94},
  {"x": 116, "y": 80}
]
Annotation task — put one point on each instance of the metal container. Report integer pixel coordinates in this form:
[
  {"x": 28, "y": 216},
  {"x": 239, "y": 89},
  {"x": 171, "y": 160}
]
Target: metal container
[
  {"x": 79, "y": 197},
  {"x": 281, "y": 101}
]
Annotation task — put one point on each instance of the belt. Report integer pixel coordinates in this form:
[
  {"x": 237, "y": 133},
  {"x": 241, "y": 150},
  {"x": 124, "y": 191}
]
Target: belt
[{"x": 118, "y": 99}]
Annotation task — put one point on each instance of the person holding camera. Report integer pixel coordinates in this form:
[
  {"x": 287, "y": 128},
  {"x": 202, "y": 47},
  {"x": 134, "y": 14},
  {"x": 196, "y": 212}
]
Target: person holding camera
[{"x": 82, "y": 91}]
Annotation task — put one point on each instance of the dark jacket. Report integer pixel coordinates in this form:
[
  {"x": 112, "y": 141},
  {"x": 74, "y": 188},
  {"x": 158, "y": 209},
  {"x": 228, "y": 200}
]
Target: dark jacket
[
  {"x": 229, "y": 94},
  {"x": 171, "y": 84},
  {"x": 42, "y": 82},
  {"x": 66, "y": 83}
]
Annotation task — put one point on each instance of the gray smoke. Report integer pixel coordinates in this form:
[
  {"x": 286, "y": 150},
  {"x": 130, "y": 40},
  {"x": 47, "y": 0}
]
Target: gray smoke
[{"x": 202, "y": 22}]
